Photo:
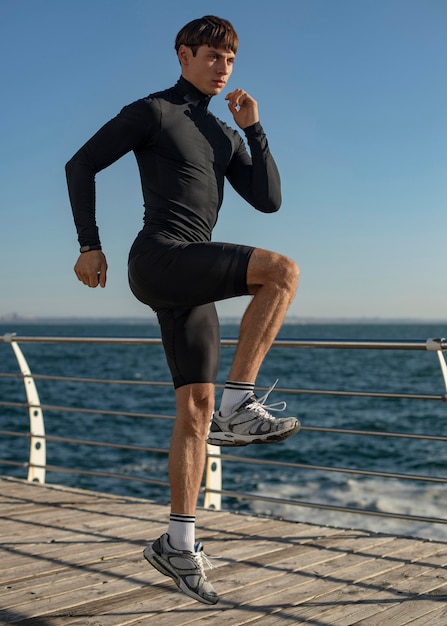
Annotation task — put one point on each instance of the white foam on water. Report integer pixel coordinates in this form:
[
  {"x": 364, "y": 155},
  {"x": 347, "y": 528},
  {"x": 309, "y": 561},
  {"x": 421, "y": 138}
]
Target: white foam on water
[{"x": 378, "y": 495}]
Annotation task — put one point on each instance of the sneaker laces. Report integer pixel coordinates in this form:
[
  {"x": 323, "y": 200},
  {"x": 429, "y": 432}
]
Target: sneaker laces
[
  {"x": 200, "y": 557},
  {"x": 261, "y": 407}
]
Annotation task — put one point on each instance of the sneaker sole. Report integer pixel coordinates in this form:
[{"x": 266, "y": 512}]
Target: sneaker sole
[
  {"x": 234, "y": 440},
  {"x": 159, "y": 563}
]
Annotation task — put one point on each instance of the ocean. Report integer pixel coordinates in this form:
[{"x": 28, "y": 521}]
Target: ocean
[{"x": 354, "y": 370}]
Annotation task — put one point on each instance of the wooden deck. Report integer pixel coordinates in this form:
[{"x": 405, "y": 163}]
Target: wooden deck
[{"x": 75, "y": 557}]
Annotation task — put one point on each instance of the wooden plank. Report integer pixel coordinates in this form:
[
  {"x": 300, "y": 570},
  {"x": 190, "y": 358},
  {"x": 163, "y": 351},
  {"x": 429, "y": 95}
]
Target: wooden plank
[
  {"x": 422, "y": 604},
  {"x": 438, "y": 617},
  {"x": 306, "y": 589},
  {"x": 378, "y": 603}
]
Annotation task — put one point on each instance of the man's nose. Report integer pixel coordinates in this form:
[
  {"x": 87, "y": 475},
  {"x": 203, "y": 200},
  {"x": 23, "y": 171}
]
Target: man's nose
[{"x": 223, "y": 67}]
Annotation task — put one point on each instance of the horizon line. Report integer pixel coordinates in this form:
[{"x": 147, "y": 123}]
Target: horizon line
[{"x": 294, "y": 319}]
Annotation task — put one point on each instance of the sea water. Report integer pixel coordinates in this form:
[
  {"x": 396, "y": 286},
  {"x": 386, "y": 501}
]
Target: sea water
[{"x": 389, "y": 371}]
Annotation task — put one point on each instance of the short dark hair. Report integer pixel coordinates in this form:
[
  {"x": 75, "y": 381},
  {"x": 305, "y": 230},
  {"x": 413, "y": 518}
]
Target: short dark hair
[{"x": 207, "y": 31}]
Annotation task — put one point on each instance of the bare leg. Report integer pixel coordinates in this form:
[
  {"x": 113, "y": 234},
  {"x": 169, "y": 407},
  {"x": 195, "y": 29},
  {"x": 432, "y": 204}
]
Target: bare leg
[
  {"x": 186, "y": 463},
  {"x": 195, "y": 404},
  {"x": 272, "y": 280}
]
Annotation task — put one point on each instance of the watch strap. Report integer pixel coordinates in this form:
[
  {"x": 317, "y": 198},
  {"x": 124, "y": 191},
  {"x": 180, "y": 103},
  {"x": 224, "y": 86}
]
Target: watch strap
[{"x": 96, "y": 246}]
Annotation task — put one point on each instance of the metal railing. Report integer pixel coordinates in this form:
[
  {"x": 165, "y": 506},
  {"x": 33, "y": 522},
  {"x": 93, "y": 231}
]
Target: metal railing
[{"x": 213, "y": 491}]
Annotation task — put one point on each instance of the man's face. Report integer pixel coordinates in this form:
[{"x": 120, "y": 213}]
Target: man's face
[{"x": 209, "y": 70}]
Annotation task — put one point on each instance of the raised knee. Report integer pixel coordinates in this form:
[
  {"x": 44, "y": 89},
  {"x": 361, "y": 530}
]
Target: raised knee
[
  {"x": 288, "y": 274},
  {"x": 293, "y": 272},
  {"x": 274, "y": 271}
]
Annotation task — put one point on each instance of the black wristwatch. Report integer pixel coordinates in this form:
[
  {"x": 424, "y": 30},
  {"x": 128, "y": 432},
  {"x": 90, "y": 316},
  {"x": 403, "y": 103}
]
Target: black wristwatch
[{"x": 96, "y": 246}]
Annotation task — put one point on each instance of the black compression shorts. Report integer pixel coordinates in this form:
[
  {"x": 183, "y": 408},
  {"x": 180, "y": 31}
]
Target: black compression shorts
[{"x": 180, "y": 282}]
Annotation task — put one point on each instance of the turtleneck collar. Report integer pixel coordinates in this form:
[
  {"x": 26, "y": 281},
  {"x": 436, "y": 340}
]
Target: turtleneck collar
[{"x": 191, "y": 94}]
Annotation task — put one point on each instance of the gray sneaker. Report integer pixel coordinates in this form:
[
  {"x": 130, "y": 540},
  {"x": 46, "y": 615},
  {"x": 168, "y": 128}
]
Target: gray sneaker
[
  {"x": 184, "y": 567},
  {"x": 251, "y": 423}
]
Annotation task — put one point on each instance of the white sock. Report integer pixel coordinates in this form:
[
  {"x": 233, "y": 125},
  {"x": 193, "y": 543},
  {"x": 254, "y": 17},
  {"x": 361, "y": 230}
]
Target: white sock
[
  {"x": 234, "y": 394},
  {"x": 181, "y": 531}
]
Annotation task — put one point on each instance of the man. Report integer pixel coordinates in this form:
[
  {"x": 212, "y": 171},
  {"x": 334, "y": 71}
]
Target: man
[{"x": 184, "y": 154}]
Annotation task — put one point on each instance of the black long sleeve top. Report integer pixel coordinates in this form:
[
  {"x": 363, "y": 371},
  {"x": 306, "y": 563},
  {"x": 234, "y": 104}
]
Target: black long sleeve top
[{"x": 184, "y": 153}]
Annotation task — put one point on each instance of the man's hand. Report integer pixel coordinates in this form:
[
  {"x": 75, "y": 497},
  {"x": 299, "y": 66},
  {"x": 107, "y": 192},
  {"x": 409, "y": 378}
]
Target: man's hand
[
  {"x": 243, "y": 107},
  {"x": 91, "y": 268}
]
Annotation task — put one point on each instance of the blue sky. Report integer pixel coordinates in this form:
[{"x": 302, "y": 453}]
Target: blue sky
[{"x": 353, "y": 97}]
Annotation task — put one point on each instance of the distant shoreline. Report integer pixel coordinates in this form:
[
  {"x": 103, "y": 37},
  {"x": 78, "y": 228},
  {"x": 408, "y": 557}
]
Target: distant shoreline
[{"x": 17, "y": 319}]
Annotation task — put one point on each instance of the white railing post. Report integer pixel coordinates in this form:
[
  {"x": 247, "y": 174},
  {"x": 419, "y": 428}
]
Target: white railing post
[
  {"x": 435, "y": 345},
  {"x": 37, "y": 447},
  {"x": 213, "y": 478}
]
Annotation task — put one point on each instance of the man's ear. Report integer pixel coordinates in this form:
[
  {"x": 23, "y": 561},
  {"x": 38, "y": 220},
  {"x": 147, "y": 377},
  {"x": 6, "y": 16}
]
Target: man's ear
[{"x": 184, "y": 54}]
